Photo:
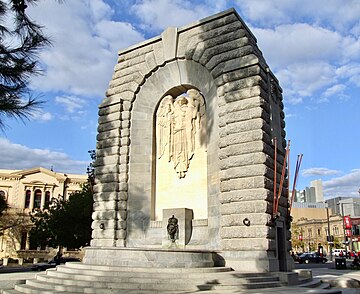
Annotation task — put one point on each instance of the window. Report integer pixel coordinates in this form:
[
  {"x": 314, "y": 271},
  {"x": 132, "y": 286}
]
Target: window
[
  {"x": 310, "y": 233},
  {"x": 27, "y": 198},
  {"x": 319, "y": 232},
  {"x": 47, "y": 199},
  {"x": 2, "y": 193},
  {"x": 23, "y": 240},
  {"x": 37, "y": 199}
]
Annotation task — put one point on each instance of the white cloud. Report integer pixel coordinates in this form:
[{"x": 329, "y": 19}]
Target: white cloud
[
  {"x": 16, "y": 156},
  {"x": 157, "y": 15},
  {"x": 310, "y": 60},
  {"x": 337, "y": 14},
  {"x": 299, "y": 42},
  {"x": 85, "y": 45},
  {"x": 346, "y": 185},
  {"x": 336, "y": 89},
  {"x": 40, "y": 115},
  {"x": 319, "y": 171},
  {"x": 71, "y": 103}
]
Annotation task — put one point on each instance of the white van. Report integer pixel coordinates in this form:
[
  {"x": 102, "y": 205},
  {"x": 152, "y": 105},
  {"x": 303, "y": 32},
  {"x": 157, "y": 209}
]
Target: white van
[{"x": 336, "y": 252}]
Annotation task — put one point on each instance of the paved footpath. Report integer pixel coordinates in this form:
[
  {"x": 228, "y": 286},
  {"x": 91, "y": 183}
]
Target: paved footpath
[{"x": 342, "y": 279}]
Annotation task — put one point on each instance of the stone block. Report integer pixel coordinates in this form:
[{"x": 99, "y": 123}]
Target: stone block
[
  {"x": 243, "y": 83},
  {"x": 244, "y": 126},
  {"x": 105, "y": 205},
  {"x": 114, "y": 116},
  {"x": 244, "y": 172},
  {"x": 245, "y": 244},
  {"x": 245, "y": 195},
  {"x": 103, "y": 234},
  {"x": 244, "y": 207},
  {"x": 234, "y": 101},
  {"x": 101, "y": 243},
  {"x": 125, "y": 141},
  {"x": 125, "y": 124},
  {"x": 125, "y": 115},
  {"x": 245, "y": 183},
  {"x": 115, "y": 108},
  {"x": 106, "y": 196},
  {"x": 108, "y": 224},
  {"x": 257, "y": 219},
  {"x": 130, "y": 62},
  {"x": 217, "y": 45},
  {"x": 106, "y": 187},
  {"x": 230, "y": 55},
  {"x": 121, "y": 234},
  {"x": 244, "y": 160},
  {"x": 104, "y": 143},
  {"x": 124, "y": 132},
  {"x": 235, "y": 64},
  {"x": 123, "y": 168},
  {"x": 250, "y": 71},
  {"x": 109, "y": 126},
  {"x": 110, "y": 159},
  {"x": 243, "y": 148},
  {"x": 246, "y": 137},
  {"x": 159, "y": 53},
  {"x": 103, "y": 215},
  {"x": 107, "y": 178},
  {"x": 150, "y": 61},
  {"x": 253, "y": 231},
  {"x": 121, "y": 215},
  {"x": 110, "y": 168},
  {"x": 108, "y": 134}
]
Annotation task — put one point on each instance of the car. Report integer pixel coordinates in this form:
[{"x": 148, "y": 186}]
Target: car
[
  {"x": 53, "y": 263},
  {"x": 311, "y": 258}
]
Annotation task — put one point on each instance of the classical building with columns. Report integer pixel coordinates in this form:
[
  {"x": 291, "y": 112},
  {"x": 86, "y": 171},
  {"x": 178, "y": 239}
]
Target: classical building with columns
[{"x": 24, "y": 191}]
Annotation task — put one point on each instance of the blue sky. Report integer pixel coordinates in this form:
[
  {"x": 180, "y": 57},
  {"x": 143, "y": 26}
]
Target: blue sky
[{"x": 313, "y": 47}]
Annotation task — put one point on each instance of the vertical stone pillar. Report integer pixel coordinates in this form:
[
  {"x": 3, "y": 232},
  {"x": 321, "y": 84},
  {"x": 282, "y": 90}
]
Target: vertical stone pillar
[
  {"x": 110, "y": 191},
  {"x": 42, "y": 203},
  {"x": 32, "y": 197}
]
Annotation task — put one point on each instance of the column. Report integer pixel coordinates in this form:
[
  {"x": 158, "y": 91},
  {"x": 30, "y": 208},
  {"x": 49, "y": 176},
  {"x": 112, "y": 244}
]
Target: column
[
  {"x": 31, "y": 204},
  {"x": 42, "y": 203}
]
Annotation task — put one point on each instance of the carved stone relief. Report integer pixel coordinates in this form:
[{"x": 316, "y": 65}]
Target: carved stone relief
[{"x": 177, "y": 121}]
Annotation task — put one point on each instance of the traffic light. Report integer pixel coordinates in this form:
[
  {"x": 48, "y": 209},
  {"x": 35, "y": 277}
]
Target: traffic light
[{"x": 300, "y": 237}]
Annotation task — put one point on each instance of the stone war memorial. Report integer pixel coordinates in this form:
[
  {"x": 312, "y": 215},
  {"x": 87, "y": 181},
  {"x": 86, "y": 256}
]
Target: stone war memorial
[
  {"x": 190, "y": 154},
  {"x": 185, "y": 154}
]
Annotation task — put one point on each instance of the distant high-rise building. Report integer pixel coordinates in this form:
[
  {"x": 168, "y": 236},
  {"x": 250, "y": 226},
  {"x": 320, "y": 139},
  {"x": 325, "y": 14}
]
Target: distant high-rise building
[
  {"x": 345, "y": 205},
  {"x": 311, "y": 194},
  {"x": 319, "y": 195}
]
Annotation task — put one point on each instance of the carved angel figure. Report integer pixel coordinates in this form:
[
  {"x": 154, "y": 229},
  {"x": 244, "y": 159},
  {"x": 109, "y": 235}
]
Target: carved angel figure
[{"x": 178, "y": 120}]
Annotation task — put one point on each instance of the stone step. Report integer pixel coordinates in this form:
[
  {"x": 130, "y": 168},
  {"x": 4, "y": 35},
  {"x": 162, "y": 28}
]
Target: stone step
[
  {"x": 292, "y": 290},
  {"x": 129, "y": 277},
  {"x": 311, "y": 284},
  {"x": 82, "y": 266},
  {"x": 281, "y": 290},
  {"x": 25, "y": 288},
  {"x": 115, "y": 272},
  {"x": 79, "y": 285}
]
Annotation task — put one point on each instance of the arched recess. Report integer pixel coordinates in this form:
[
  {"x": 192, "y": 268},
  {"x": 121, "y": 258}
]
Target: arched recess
[
  {"x": 180, "y": 150},
  {"x": 175, "y": 77}
]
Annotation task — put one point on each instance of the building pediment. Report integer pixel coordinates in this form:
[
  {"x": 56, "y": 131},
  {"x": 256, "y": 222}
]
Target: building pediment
[{"x": 37, "y": 170}]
